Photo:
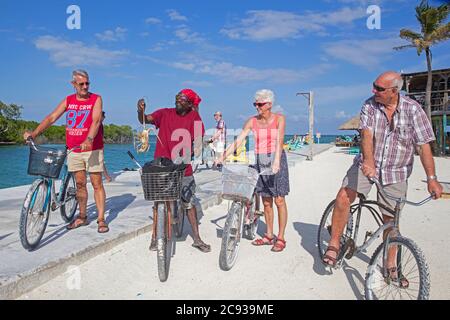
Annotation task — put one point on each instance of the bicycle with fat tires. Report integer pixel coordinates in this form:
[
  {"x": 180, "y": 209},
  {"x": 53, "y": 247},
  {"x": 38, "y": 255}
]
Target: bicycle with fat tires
[
  {"x": 409, "y": 279},
  {"x": 238, "y": 183},
  {"x": 164, "y": 189},
  {"x": 47, "y": 163}
]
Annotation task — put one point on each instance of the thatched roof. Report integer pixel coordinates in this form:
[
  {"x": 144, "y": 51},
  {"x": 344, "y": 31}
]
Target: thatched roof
[{"x": 352, "y": 124}]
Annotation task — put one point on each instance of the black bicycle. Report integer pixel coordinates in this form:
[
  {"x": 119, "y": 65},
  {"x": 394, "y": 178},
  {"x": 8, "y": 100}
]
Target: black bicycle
[
  {"x": 164, "y": 189},
  {"x": 409, "y": 278}
]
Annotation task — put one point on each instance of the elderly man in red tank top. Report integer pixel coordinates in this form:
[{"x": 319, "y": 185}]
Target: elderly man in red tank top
[{"x": 83, "y": 118}]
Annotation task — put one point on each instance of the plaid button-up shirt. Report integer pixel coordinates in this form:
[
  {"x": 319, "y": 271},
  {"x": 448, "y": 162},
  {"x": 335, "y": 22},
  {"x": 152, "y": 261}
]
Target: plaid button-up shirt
[{"x": 394, "y": 144}]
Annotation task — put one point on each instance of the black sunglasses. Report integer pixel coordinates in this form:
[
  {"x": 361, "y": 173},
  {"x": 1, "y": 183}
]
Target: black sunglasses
[
  {"x": 381, "y": 89},
  {"x": 87, "y": 83},
  {"x": 259, "y": 104}
]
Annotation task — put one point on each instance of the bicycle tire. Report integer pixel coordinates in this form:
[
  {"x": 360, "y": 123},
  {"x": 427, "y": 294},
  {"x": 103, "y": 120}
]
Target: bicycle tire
[
  {"x": 324, "y": 231},
  {"x": 68, "y": 190},
  {"x": 231, "y": 237},
  {"x": 251, "y": 229},
  {"x": 374, "y": 273},
  {"x": 162, "y": 243},
  {"x": 38, "y": 190},
  {"x": 178, "y": 216}
]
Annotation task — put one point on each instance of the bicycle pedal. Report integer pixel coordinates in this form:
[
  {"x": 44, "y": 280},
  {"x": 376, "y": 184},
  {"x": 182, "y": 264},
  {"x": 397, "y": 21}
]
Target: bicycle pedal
[
  {"x": 368, "y": 235},
  {"x": 350, "y": 247},
  {"x": 259, "y": 213}
]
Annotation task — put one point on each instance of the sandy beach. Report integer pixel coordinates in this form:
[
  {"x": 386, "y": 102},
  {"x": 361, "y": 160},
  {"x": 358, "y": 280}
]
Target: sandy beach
[{"x": 129, "y": 271}]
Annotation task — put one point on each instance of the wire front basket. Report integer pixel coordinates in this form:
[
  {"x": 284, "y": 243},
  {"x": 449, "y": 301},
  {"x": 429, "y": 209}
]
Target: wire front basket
[
  {"x": 238, "y": 182},
  {"x": 162, "y": 186},
  {"x": 46, "y": 162}
]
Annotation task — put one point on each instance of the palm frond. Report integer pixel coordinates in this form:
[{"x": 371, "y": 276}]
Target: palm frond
[
  {"x": 409, "y": 35},
  {"x": 404, "y": 47},
  {"x": 442, "y": 33}
]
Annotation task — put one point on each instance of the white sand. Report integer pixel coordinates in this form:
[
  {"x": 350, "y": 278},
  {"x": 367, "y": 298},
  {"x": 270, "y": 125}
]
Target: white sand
[{"x": 129, "y": 270}]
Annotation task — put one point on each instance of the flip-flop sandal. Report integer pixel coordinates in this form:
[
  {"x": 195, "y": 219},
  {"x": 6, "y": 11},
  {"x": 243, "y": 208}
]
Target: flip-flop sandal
[
  {"x": 203, "y": 247},
  {"x": 78, "y": 222}
]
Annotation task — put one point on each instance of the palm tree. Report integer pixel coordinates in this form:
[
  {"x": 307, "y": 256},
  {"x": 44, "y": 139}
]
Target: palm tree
[{"x": 433, "y": 31}]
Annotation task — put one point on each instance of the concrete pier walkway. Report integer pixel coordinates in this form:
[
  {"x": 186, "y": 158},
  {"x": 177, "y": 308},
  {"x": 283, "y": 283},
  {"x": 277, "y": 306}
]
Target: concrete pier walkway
[{"x": 127, "y": 213}]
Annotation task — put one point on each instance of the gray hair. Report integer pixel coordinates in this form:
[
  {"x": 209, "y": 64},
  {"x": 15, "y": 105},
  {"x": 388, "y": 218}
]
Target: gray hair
[
  {"x": 79, "y": 72},
  {"x": 398, "y": 83},
  {"x": 265, "y": 95}
]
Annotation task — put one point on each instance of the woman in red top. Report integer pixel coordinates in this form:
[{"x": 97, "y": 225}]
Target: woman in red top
[{"x": 268, "y": 129}]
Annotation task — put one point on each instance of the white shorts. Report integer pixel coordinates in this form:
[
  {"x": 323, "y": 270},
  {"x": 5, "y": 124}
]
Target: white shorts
[{"x": 219, "y": 147}]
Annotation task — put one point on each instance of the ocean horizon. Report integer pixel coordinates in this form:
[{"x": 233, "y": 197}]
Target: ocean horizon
[{"x": 14, "y": 164}]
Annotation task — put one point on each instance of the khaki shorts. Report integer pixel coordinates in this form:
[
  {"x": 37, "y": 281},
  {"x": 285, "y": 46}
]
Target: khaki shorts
[
  {"x": 357, "y": 181},
  {"x": 90, "y": 161}
]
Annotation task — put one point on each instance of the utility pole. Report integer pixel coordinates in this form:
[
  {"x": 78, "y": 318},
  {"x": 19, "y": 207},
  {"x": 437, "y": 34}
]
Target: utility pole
[{"x": 310, "y": 96}]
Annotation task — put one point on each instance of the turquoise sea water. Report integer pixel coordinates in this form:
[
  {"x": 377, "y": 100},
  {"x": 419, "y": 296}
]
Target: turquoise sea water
[{"x": 14, "y": 160}]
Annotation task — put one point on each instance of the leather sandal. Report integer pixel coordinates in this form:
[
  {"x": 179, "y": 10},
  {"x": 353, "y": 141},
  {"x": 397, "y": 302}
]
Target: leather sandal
[
  {"x": 78, "y": 222},
  {"x": 333, "y": 260},
  {"x": 102, "y": 226},
  {"x": 279, "y": 245},
  {"x": 393, "y": 276},
  {"x": 264, "y": 241}
]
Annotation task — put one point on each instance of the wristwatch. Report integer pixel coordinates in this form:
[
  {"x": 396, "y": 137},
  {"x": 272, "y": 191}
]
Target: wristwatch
[
  {"x": 90, "y": 139},
  {"x": 431, "y": 178}
]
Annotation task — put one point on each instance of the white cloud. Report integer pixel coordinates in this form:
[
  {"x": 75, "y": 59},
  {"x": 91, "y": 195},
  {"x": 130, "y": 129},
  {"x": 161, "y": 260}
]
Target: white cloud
[
  {"x": 278, "y": 109},
  {"x": 152, "y": 20},
  {"x": 203, "y": 84},
  {"x": 185, "y": 34},
  {"x": 175, "y": 15},
  {"x": 260, "y": 25},
  {"x": 117, "y": 34},
  {"x": 334, "y": 94},
  {"x": 365, "y": 53},
  {"x": 68, "y": 54}
]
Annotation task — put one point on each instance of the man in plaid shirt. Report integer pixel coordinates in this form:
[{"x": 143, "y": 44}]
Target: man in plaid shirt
[{"x": 392, "y": 127}]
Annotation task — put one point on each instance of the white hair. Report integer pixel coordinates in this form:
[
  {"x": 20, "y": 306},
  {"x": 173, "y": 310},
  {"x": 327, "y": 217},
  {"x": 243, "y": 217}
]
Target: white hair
[
  {"x": 398, "y": 83},
  {"x": 265, "y": 95},
  {"x": 79, "y": 72}
]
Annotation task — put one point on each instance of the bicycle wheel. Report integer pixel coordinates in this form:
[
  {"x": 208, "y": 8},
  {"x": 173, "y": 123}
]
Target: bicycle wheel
[
  {"x": 178, "y": 218},
  {"x": 34, "y": 216},
  {"x": 162, "y": 243},
  {"x": 324, "y": 232},
  {"x": 411, "y": 280},
  {"x": 231, "y": 237},
  {"x": 208, "y": 157},
  {"x": 69, "y": 198},
  {"x": 251, "y": 227}
]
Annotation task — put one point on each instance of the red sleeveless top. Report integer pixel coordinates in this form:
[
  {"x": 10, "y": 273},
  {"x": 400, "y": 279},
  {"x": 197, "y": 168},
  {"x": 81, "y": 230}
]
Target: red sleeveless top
[
  {"x": 265, "y": 138},
  {"x": 79, "y": 121}
]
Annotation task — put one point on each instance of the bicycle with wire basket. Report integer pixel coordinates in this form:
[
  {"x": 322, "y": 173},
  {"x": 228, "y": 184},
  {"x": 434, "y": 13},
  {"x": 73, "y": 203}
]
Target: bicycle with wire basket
[
  {"x": 164, "y": 189},
  {"x": 238, "y": 186},
  {"x": 409, "y": 278},
  {"x": 47, "y": 163}
]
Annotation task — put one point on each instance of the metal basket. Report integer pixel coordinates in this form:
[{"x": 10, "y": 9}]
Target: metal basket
[
  {"x": 46, "y": 162},
  {"x": 238, "y": 182},
  {"x": 162, "y": 186}
]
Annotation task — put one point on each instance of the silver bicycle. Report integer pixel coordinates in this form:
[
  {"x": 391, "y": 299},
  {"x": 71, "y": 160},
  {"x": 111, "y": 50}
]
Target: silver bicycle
[{"x": 408, "y": 277}]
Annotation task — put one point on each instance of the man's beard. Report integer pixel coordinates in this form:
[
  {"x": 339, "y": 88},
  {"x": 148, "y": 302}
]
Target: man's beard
[{"x": 181, "y": 110}]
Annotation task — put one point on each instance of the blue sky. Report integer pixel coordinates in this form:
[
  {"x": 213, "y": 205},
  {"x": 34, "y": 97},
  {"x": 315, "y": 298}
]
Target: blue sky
[{"x": 224, "y": 50}]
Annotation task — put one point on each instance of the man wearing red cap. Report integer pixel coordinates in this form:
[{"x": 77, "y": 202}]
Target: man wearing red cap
[{"x": 180, "y": 128}]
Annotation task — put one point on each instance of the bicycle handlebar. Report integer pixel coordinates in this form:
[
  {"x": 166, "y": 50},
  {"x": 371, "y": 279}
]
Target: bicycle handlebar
[
  {"x": 398, "y": 200},
  {"x": 33, "y": 145}
]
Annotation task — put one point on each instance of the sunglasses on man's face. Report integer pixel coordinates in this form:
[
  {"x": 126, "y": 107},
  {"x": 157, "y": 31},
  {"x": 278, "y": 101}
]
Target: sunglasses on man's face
[
  {"x": 82, "y": 84},
  {"x": 380, "y": 89},
  {"x": 259, "y": 104}
]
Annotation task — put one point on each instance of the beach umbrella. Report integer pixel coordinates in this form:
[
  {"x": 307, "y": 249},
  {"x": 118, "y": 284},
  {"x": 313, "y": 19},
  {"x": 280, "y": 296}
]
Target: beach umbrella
[{"x": 352, "y": 124}]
